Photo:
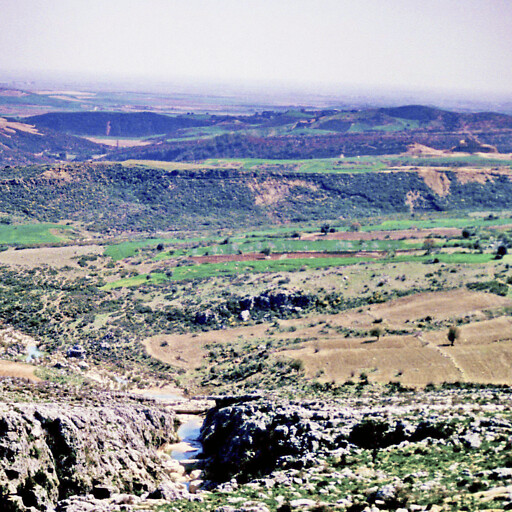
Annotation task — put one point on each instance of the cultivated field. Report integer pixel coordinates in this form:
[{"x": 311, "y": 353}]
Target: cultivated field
[
  {"x": 415, "y": 357},
  {"x": 57, "y": 257}
]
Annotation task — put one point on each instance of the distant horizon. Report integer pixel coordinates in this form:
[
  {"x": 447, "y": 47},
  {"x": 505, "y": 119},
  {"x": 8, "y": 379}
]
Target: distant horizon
[
  {"x": 33, "y": 80},
  {"x": 452, "y": 47}
]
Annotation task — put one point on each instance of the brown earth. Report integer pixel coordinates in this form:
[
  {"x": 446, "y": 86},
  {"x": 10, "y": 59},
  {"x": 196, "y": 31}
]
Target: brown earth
[
  {"x": 57, "y": 257},
  {"x": 415, "y": 358},
  {"x": 20, "y": 370},
  {"x": 417, "y": 149},
  {"x": 9, "y": 127},
  {"x": 122, "y": 143},
  {"x": 385, "y": 235},
  {"x": 437, "y": 181},
  {"x": 272, "y": 191}
]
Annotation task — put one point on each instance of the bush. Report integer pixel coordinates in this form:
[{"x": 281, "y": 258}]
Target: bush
[{"x": 489, "y": 286}]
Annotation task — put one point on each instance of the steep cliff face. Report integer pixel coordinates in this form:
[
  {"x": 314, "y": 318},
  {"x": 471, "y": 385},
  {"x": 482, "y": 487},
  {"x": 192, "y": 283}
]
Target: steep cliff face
[{"x": 51, "y": 451}]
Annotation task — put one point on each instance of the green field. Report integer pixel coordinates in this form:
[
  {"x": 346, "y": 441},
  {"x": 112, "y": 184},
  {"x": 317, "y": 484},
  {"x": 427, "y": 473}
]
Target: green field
[
  {"x": 330, "y": 165},
  {"x": 449, "y": 222},
  {"x": 33, "y": 234},
  {"x": 208, "y": 270},
  {"x": 127, "y": 249}
]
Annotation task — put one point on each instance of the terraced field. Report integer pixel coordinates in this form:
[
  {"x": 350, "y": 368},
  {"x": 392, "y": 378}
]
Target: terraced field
[{"x": 416, "y": 351}]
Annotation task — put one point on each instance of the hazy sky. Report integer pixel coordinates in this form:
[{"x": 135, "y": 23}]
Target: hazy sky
[{"x": 427, "y": 44}]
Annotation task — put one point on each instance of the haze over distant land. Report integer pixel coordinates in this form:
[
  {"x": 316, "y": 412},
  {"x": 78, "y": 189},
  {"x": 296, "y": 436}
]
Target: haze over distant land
[{"x": 327, "y": 47}]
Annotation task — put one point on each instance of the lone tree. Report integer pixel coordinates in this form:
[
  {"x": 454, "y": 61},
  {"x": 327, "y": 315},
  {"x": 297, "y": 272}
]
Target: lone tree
[
  {"x": 377, "y": 331},
  {"x": 453, "y": 334},
  {"x": 429, "y": 245},
  {"x": 355, "y": 226}
]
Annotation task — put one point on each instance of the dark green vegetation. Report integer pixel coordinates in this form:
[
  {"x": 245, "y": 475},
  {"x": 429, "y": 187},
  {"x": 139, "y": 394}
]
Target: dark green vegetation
[
  {"x": 113, "y": 198},
  {"x": 289, "y": 134},
  {"x": 114, "y": 124},
  {"x": 22, "y": 147}
]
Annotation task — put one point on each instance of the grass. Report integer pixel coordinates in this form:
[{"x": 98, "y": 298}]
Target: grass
[
  {"x": 32, "y": 234},
  {"x": 127, "y": 249},
  {"x": 448, "y": 222},
  {"x": 276, "y": 245},
  {"x": 207, "y": 270}
]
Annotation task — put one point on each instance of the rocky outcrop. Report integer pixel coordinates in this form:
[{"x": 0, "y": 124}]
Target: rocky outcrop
[
  {"x": 253, "y": 437},
  {"x": 280, "y": 303},
  {"x": 49, "y": 452},
  {"x": 473, "y": 145}
]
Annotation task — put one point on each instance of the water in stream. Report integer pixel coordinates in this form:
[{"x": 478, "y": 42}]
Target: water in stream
[
  {"x": 33, "y": 353},
  {"x": 189, "y": 446}
]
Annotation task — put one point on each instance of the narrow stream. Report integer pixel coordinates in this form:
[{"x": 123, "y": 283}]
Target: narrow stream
[
  {"x": 33, "y": 353},
  {"x": 189, "y": 446}
]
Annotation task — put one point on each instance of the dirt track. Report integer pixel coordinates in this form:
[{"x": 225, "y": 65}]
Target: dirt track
[{"x": 415, "y": 358}]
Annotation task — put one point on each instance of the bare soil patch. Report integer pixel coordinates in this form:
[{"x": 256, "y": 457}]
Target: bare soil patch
[
  {"x": 485, "y": 363},
  {"x": 57, "y": 257},
  {"x": 422, "y": 150},
  {"x": 272, "y": 191},
  {"x": 11, "y": 126},
  {"x": 122, "y": 143},
  {"x": 437, "y": 181},
  {"x": 187, "y": 350},
  {"x": 391, "y": 358},
  {"x": 496, "y": 330},
  {"x": 438, "y": 305},
  {"x": 384, "y": 235},
  {"x": 19, "y": 370}
]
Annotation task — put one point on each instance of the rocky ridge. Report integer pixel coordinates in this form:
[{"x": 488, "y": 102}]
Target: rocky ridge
[
  {"x": 405, "y": 451},
  {"x": 50, "y": 452}
]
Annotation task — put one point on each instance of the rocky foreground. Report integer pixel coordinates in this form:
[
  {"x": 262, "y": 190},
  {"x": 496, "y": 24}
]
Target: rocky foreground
[
  {"x": 444, "y": 449},
  {"x": 447, "y": 449},
  {"x": 86, "y": 451}
]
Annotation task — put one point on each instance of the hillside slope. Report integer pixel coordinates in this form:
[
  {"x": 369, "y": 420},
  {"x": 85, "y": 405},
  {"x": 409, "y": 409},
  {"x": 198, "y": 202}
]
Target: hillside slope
[
  {"x": 115, "y": 124},
  {"x": 113, "y": 197},
  {"x": 22, "y": 143}
]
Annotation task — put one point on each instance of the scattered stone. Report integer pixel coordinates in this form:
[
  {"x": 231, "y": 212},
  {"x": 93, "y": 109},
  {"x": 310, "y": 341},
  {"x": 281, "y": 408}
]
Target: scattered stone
[
  {"x": 472, "y": 440},
  {"x": 302, "y": 503}
]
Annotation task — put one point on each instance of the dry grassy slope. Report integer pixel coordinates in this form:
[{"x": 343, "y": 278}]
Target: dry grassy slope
[{"x": 415, "y": 358}]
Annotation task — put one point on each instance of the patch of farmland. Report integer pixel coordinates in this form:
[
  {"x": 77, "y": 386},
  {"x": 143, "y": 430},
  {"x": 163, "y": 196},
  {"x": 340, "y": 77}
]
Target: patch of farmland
[
  {"x": 438, "y": 305},
  {"x": 393, "y": 358},
  {"x": 414, "y": 358},
  {"x": 57, "y": 257},
  {"x": 385, "y": 235},
  {"x": 18, "y": 370}
]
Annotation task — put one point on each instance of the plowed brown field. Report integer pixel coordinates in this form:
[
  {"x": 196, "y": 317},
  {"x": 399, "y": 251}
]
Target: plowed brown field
[{"x": 415, "y": 358}]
